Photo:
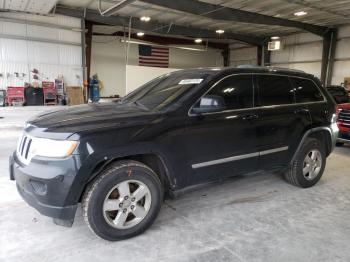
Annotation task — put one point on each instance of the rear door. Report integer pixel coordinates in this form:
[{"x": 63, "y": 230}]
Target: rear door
[
  {"x": 308, "y": 93},
  {"x": 282, "y": 121}
]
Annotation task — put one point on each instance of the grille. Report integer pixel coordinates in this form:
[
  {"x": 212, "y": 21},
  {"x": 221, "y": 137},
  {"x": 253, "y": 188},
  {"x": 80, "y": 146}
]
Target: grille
[
  {"x": 23, "y": 148},
  {"x": 344, "y": 117}
]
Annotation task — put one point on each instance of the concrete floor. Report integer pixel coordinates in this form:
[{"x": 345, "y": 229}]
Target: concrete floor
[{"x": 247, "y": 218}]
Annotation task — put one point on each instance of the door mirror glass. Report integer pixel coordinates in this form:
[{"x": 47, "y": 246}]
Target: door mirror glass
[{"x": 208, "y": 104}]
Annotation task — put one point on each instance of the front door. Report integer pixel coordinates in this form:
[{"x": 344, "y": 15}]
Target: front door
[{"x": 223, "y": 143}]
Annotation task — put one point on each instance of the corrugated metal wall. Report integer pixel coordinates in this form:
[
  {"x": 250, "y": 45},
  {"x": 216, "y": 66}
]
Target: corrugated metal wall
[{"x": 50, "y": 44}]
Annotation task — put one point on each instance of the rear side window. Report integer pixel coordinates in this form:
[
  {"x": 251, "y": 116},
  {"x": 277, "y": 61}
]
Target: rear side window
[
  {"x": 306, "y": 90},
  {"x": 236, "y": 91},
  {"x": 275, "y": 90}
]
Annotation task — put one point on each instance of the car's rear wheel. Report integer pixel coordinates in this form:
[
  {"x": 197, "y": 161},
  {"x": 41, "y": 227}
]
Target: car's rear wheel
[
  {"x": 123, "y": 201},
  {"x": 308, "y": 166}
]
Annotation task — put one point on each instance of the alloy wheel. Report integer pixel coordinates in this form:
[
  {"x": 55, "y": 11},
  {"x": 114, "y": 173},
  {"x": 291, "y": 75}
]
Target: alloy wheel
[
  {"x": 312, "y": 164},
  {"x": 127, "y": 204}
]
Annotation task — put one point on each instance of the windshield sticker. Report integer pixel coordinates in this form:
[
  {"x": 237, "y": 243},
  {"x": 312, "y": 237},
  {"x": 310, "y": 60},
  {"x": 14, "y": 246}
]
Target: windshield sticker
[{"x": 190, "y": 81}]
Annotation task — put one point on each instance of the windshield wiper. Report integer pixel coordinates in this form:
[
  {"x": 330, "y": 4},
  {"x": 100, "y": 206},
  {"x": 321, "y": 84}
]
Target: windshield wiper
[{"x": 139, "y": 104}]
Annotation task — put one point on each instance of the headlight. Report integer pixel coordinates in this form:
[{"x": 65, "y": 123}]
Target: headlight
[
  {"x": 52, "y": 148},
  {"x": 29, "y": 147}
]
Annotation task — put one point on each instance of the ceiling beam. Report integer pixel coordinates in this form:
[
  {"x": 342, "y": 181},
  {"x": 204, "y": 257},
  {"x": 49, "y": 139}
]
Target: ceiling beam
[
  {"x": 219, "y": 12},
  {"x": 156, "y": 27},
  {"x": 161, "y": 40}
]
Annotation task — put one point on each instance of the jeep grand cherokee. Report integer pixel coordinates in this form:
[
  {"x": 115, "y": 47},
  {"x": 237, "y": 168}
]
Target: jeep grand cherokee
[{"x": 182, "y": 129}]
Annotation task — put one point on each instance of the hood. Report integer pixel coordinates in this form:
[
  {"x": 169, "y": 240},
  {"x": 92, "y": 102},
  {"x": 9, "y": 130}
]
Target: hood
[{"x": 75, "y": 119}]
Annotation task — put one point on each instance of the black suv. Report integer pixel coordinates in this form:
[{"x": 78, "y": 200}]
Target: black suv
[{"x": 179, "y": 130}]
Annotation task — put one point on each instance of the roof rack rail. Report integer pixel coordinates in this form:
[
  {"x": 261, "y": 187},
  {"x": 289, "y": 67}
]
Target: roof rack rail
[
  {"x": 271, "y": 68},
  {"x": 285, "y": 69},
  {"x": 248, "y": 66}
]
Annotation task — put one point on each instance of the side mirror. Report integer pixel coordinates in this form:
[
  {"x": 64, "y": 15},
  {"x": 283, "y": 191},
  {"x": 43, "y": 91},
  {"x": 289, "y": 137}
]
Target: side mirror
[{"x": 209, "y": 104}]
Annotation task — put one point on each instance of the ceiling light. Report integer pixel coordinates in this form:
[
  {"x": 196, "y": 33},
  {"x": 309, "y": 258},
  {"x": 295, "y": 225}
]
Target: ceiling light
[
  {"x": 145, "y": 18},
  {"x": 220, "y": 31},
  {"x": 198, "y": 40},
  {"x": 140, "y": 34},
  {"x": 300, "y": 13},
  {"x": 275, "y": 37}
]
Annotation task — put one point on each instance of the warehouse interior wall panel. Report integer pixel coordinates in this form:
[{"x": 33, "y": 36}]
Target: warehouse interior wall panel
[
  {"x": 108, "y": 60},
  {"x": 342, "y": 56},
  {"x": 51, "y": 50},
  {"x": 300, "y": 51},
  {"x": 243, "y": 56}
]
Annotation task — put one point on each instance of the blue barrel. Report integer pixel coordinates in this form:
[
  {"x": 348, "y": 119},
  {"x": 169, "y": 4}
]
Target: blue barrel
[{"x": 94, "y": 89}]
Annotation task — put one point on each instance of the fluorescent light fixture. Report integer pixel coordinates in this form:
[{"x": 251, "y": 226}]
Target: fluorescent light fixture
[
  {"x": 198, "y": 40},
  {"x": 300, "y": 13},
  {"x": 145, "y": 18},
  {"x": 220, "y": 31},
  {"x": 140, "y": 34},
  {"x": 275, "y": 37},
  {"x": 172, "y": 46}
]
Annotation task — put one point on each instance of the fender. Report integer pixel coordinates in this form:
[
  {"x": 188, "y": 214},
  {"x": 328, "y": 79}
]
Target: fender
[
  {"x": 333, "y": 134},
  {"x": 101, "y": 159}
]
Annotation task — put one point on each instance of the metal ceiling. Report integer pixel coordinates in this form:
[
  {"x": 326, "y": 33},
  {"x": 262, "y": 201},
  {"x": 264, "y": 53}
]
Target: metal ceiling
[
  {"x": 320, "y": 15},
  {"x": 320, "y": 12},
  {"x": 30, "y": 6}
]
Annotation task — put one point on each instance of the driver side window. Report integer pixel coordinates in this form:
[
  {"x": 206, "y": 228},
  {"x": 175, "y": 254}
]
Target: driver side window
[{"x": 235, "y": 92}]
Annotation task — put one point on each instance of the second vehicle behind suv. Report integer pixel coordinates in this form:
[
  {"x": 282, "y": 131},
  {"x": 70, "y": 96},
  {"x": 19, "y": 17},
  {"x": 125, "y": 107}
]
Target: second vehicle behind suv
[
  {"x": 341, "y": 97},
  {"x": 182, "y": 129}
]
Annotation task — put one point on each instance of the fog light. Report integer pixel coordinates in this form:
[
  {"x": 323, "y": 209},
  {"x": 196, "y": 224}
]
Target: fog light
[{"x": 40, "y": 188}]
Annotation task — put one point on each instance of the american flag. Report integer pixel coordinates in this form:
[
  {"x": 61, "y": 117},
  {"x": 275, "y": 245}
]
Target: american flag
[{"x": 153, "y": 56}]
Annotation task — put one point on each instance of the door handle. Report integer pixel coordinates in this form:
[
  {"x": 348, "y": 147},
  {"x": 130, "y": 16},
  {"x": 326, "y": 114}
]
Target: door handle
[
  {"x": 301, "y": 111},
  {"x": 250, "y": 117}
]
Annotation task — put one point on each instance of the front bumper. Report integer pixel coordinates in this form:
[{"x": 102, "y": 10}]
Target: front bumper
[
  {"x": 46, "y": 184},
  {"x": 344, "y": 137}
]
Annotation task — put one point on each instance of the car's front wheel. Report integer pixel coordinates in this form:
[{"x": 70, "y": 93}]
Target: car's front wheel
[
  {"x": 123, "y": 201},
  {"x": 308, "y": 166}
]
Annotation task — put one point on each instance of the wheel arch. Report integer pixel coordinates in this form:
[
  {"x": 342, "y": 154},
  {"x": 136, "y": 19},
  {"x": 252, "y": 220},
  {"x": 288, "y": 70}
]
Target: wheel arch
[
  {"x": 323, "y": 134},
  {"x": 155, "y": 160}
]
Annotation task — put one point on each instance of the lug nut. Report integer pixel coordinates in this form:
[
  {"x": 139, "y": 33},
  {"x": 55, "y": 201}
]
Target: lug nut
[
  {"x": 121, "y": 204},
  {"x": 132, "y": 207},
  {"x": 126, "y": 198},
  {"x": 124, "y": 210},
  {"x": 133, "y": 199}
]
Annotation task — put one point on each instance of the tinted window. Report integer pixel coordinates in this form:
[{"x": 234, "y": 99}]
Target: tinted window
[
  {"x": 236, "y": 91},
  {"x": 275, "y": 90},
  {"x": 165, "y": 89},
  {"x": 306, "y": 90}
]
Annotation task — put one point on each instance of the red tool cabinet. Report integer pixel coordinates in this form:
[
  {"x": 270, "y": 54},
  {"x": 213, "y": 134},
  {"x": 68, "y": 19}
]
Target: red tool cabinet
[
  {"x": 15, "y": 95},
  {"x": 50, "y": 93}
]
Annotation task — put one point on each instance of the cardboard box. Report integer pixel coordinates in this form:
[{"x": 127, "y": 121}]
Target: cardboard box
[
  {"x": 347, "y": 83},
  {"x": 75, "y": 95}
]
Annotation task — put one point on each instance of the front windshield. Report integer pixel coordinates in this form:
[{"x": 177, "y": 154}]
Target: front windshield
[{"x": 163, "y": 90}]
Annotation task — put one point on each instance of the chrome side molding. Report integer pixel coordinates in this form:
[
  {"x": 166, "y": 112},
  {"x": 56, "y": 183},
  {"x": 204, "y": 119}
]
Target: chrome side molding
[{"x": 239, "y": 157}]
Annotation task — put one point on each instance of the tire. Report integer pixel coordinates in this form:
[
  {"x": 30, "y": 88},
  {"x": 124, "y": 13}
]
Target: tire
[
  {"x": 295, "y": 173},
  {"x": 104, "y": 202},
  {"x": 339, "y": 143}
]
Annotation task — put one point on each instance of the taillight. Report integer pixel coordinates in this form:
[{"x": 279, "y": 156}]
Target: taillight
[{"x": 337, "y": 109}]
